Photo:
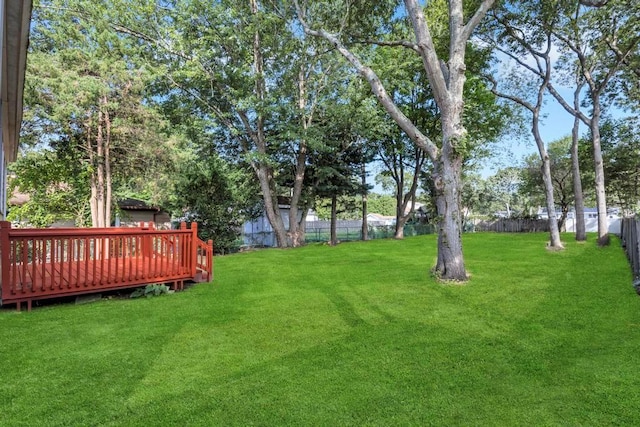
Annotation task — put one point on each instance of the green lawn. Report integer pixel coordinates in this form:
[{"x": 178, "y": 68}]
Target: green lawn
[{"x": 359, "y": 334}]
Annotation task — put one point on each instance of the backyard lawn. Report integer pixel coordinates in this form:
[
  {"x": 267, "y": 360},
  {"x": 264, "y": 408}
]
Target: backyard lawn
[{"x": 359, "y": 334}]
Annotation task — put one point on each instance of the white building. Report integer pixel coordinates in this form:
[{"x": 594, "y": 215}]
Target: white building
[{"x": 590, "y": 219}]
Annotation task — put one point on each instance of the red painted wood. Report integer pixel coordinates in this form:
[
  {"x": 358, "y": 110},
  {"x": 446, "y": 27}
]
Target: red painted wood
[{"x": 46, "y": 263}]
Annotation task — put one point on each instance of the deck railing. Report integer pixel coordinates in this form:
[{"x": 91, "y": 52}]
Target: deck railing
[
  {"x": 46, "y": 263},
  {"x": 204, "y": 259}
]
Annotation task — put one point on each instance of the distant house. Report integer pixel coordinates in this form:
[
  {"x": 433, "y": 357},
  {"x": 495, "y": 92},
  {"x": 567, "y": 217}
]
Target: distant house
[
  {"x": 590, "y": 219},
  {"x": 18, "y": 199},
  {"x": 312, "y": 216},
  {"x": 134, "y": 211},
  {"x": 377, "y": 220}
]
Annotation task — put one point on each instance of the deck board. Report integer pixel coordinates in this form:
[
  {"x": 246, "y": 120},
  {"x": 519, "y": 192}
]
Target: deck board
[{"x": 61, "y": 277}]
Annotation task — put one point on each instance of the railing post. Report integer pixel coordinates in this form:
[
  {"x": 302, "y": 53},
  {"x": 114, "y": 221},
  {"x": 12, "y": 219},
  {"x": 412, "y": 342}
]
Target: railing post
[
  {"x": 210, "y": 259},
  {"x": 5, "y": 227},
  {"x": 146, "y": 242},
  {"x": 194, "y": 248}
]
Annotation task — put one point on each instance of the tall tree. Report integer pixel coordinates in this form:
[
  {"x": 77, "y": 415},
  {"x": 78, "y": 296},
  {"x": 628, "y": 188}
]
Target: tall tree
[
  {"x": 336, "y": 165},
  {"x": 447, "y": 81},
  {"x": 502, "y": 193},
  {"x": 601, "y": 41},
  {"x": 216, "y": 194},
  {"x": 243, "y": 67},
  {"x": 524, "y": 43},
  {"x": 84, "y": 94},
  {"x": 578, "y": 194}
]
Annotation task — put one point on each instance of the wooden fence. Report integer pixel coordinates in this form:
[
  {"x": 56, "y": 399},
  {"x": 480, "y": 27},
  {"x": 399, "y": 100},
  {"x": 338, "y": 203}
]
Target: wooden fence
[
  {"x": 45, "y": 263},
  {"x": 630, "y": 235}
]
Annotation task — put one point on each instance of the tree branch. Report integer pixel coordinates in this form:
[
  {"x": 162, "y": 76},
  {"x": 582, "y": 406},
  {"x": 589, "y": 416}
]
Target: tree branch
[
  {"x": 376, "y": 85},
  {"x": 396, "y": 43},
  {"x": 476, "y": 18},
  {"x": 427, "y": 51}
]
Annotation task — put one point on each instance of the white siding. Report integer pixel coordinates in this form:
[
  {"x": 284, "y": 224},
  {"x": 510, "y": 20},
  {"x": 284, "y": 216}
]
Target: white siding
[{"x": 3, "y": 165}]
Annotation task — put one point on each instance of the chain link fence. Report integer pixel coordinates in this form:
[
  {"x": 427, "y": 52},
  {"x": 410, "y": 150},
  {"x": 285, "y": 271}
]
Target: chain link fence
[{"x": 345, "y": 234}]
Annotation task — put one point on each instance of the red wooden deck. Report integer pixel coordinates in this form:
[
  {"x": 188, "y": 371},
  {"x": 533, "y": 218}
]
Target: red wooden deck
[{"x": 47, "y": 263}]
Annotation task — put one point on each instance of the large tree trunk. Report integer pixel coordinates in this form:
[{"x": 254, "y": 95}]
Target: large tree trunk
[
  {"x": 447, "y": 180},
  {"x": 296, "y": 225},
  {"x": 581, "y": 230},
  {"x": 554, "y": 232},
  {"x": 271, "y": 207},
  {"x": 99, "y": 171},
  {"x": 334, "y": 218},
  {"x": 263, "y": 171},
  {"x": 107, "y": 167},
  {"x": 601, "y": 198},
  {"x": 450, "y": 262}
]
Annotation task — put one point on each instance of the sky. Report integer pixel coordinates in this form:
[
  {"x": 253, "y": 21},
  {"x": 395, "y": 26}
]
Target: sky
[{"x": 556, "y": 124}]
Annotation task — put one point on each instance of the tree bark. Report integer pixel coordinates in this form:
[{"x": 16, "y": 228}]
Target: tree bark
[
  {"x": 581, "y": 230},
  {"x": 399, "y": 181},
  {"x": 554, "y": 232},
  {"x": 601, "y": 199},
  {"x": 447, "y": 181},
  {"x": 263, "y": 171},
  {"x": 99, "y": 170},
  {"x": 543, "y": 71},
  {"x": 334, "y": 217},
  {"x": 450, "y": 262},
  {"x": 93, "y": 207},
  {"x": 107, "y": 167},
  {"x": 271, "y": 208},
  {"x": 296, "y": 232}
]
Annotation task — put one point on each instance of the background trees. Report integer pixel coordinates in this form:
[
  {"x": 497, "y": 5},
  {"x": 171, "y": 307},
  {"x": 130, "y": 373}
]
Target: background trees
[
  {"x": 173, "y": 102},
  {"x": 84, "y": 101},
  {"x": 560, "y": 178}
]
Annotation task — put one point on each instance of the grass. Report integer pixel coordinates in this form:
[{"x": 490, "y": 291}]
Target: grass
[{"x": 358, "y": 334}]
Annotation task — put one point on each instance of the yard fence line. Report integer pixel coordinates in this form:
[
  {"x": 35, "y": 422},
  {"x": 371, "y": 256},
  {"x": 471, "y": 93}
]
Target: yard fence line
[
  {"x": 321, "y": 233},
  {"x": 630, "y": 234},
  {"x": 511, "y": 225}
]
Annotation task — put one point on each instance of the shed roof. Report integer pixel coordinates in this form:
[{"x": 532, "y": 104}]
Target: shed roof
[{"x": 136, "y": 205}]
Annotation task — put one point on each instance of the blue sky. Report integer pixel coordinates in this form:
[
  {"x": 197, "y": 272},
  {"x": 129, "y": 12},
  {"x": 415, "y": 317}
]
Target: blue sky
[{"x": 556, "y": 123}]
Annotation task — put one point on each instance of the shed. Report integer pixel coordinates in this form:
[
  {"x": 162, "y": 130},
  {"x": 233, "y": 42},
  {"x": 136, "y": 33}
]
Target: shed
[{"x": 134, "y": 211}]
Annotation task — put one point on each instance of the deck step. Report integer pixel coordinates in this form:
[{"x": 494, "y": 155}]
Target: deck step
[{"x": 201, "y": 276}]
